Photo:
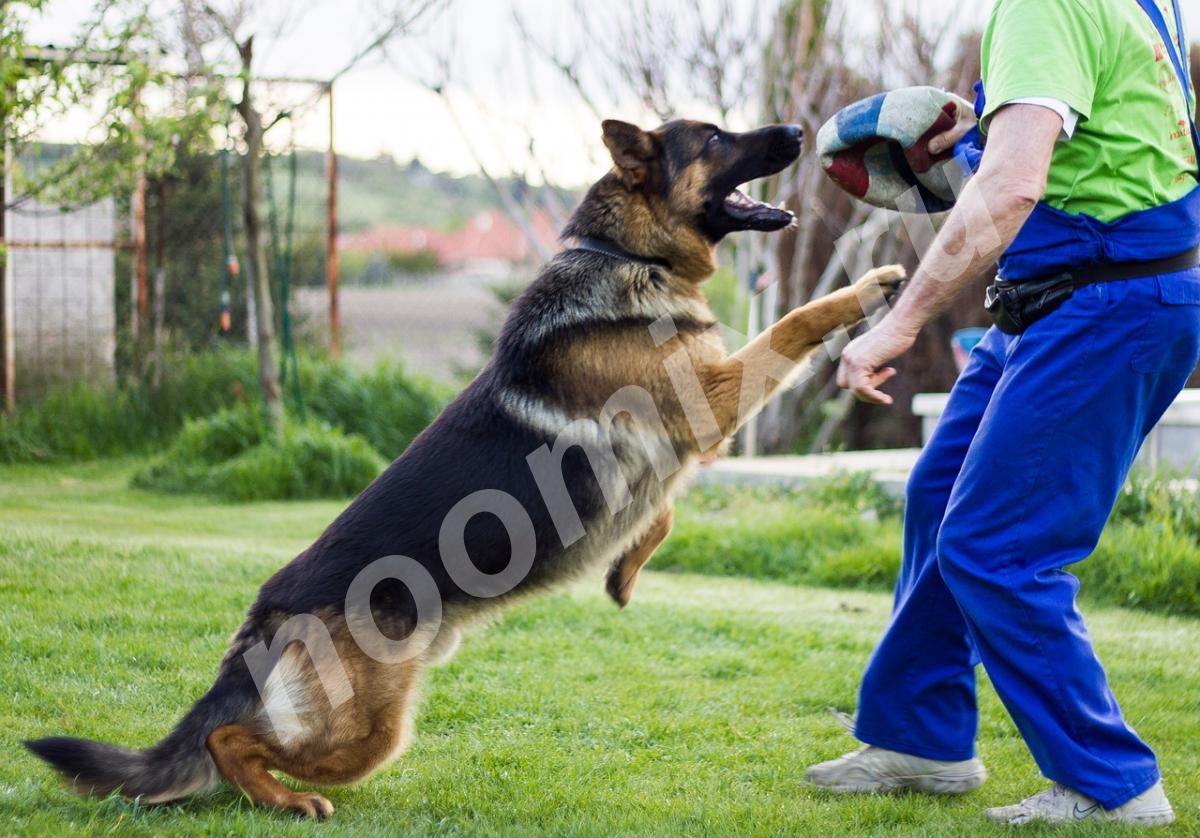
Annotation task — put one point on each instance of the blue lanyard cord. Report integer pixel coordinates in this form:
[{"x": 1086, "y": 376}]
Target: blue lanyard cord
[
  {"x": 1181, "y": 64},
  {"x": 1176, "y": 50}
]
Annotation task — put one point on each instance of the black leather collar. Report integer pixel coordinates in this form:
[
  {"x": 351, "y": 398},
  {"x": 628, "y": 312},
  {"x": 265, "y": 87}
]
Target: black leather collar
[{"x": 617, "y": 252}]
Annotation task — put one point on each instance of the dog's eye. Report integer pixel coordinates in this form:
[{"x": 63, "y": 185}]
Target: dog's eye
[{"x": 714, "y": 140}]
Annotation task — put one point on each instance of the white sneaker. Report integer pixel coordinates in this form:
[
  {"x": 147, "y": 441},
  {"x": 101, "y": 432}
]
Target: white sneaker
[
  {"x": 872, "y": 769},
  {"x": 1060, "y": 804}
]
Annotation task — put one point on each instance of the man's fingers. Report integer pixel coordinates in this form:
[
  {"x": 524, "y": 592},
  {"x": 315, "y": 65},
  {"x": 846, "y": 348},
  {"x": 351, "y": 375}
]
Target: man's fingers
[
  {"x": 880, "y": 376},
  {"x": 865, "y": 385},
  {"x": 945, "y": 142},
  {"x": 867, "y": 393}
]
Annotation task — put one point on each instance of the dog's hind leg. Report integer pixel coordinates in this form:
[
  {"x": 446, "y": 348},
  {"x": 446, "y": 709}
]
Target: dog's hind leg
[
  {"x": 739, "y": 386},
  {"x": 330, "y": 745},
  {"x": 245, "y": 757},
  {"x": 623, "y": 574}
]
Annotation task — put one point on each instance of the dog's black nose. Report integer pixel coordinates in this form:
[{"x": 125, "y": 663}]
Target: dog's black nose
[{"x": 795, "y": 132}]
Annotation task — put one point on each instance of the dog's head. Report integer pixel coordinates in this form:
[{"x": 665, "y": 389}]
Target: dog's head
[{"x": 691, "y": 172}]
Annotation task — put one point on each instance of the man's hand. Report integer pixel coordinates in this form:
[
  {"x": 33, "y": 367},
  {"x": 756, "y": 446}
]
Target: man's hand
[
  {"x": 863, "y": 367},
  {"x": 965, "y": 121}
]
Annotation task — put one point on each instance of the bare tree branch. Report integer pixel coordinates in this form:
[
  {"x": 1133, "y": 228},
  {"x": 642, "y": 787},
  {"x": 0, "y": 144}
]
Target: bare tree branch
[{"x": 402, "y": 19}]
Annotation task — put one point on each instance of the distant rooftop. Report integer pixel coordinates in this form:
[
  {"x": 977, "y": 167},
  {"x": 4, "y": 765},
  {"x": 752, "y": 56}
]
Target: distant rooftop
[{"x": 489, "y": 236}]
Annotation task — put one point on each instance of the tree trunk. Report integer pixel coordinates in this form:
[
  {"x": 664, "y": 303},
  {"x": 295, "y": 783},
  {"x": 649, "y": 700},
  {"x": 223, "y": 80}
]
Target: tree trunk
[
  {"x": 160, "y": 286},
  {"x": 256, "y": 261},
  {"x": 7, "y": 365}
]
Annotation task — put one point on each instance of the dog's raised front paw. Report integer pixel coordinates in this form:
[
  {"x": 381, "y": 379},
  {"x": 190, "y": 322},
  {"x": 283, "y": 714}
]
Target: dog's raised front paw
[
  {"x": 888, "y": 280},
  {"x": 879, "y": 286}
]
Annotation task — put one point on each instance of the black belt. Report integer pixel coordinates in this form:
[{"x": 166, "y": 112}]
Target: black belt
[
  {"x": 1118, "y": 271},
  {"x": 1015, "y": 306}
]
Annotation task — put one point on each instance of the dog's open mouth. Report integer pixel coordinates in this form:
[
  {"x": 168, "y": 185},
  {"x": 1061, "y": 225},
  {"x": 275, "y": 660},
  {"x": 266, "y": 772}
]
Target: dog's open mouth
[
  {"x": 756, "y": 215},
  {"x": 747, "y": 158}
]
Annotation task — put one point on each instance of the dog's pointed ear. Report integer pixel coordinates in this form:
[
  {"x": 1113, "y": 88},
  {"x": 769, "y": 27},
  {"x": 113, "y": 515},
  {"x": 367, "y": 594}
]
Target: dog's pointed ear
[{"x": 632, "y": 150}]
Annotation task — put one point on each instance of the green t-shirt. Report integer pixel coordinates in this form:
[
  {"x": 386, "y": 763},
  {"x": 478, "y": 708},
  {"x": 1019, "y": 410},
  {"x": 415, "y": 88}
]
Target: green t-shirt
[{"x": 1132, "y": 149}]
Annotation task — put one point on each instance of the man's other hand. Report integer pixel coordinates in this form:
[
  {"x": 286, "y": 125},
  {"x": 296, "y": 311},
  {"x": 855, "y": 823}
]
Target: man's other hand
[{"x": 863, "y": 369}]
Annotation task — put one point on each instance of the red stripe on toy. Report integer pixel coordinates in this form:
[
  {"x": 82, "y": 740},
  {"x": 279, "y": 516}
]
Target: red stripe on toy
[{"x": 849, "y": 169}]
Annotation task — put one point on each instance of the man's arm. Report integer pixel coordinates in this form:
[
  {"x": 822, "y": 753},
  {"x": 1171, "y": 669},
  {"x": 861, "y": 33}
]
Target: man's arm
[{"x": 989, "y": 213}]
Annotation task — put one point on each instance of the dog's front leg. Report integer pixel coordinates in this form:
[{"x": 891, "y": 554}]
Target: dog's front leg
[
  {"x": 623, "y": 574},
  {"x": 739, "y": 386}
]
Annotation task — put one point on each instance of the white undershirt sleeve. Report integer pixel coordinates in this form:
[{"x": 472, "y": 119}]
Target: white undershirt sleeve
[{"x": 1070, "y": 116}]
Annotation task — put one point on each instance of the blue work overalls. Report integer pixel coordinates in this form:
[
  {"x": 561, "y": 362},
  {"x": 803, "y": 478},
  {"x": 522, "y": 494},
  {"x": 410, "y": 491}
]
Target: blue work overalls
[{"x": 1016, "y": 483}]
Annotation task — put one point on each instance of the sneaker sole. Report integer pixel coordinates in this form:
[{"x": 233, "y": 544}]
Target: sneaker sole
[
  {"x": 926, "y": 783},
  {"x": 1159, "y": 818},
  {"x": 1150, "y": 819}
]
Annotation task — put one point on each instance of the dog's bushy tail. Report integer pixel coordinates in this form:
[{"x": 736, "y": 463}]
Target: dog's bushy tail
[{"x": 178, "y": 766}]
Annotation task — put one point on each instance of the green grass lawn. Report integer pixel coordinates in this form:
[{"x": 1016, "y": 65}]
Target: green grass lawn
[{"x": 693, "y": 712}]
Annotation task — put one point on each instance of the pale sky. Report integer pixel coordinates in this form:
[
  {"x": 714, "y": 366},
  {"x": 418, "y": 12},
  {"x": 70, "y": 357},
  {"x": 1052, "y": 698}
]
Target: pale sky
[{"x": 379, "y": 109}]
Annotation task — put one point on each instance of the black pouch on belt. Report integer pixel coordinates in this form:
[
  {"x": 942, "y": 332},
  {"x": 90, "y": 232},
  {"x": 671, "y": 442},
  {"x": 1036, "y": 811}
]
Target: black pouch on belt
[{"x": 1015, "y": 306}]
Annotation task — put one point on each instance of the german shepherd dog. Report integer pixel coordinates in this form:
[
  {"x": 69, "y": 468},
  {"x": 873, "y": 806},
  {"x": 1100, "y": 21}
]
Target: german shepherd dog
[{"x": 608, "y": 384}]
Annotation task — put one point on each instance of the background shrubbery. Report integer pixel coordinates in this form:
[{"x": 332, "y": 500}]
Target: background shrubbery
[
  {"x": 1149, "y": 556},
  {"x": 232, "y": 456},
  {"x": 846, "y": 533},
  {"x": 842, "y": 533},
  {"x": 206, "y": 414},
  {"x": 386, "y": 406}
]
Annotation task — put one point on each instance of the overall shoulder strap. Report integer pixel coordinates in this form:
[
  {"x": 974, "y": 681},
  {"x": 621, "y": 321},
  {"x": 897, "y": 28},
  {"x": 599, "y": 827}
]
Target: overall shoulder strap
[{"x": 1178, "y": 52}]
